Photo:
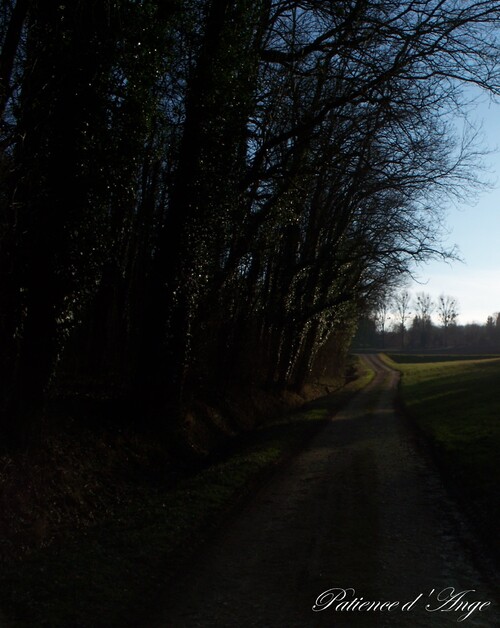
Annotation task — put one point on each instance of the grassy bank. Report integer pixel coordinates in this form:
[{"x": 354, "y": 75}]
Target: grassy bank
[
  {"x": 115, "y": 572},
  {"x": 456, "y": 404}
]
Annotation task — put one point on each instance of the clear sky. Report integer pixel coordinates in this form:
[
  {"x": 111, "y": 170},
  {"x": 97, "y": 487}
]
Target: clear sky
[{"x": 476, "y": 231}]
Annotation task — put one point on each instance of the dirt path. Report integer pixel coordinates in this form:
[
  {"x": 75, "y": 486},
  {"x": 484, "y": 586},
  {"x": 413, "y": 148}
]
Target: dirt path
[{"x": 360, "y": 508}]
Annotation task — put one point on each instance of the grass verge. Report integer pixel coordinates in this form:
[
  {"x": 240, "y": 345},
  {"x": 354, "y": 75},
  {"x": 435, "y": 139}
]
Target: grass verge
[
  {"x": 457, "y": 407},
  {"x": 426, "y": 358},
  {"x": 116, "y": 572}
]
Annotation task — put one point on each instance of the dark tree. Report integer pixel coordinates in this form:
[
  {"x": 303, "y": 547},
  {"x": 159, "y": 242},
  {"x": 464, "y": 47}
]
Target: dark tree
[{"x": 199, "y": 196}]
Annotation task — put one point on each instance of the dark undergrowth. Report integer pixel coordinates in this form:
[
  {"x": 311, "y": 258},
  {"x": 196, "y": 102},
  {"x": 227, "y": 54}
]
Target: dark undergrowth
[{"x": 97, "y": 524}]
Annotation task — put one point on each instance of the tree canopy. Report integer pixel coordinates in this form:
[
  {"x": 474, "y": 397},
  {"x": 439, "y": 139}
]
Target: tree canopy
[{"x": 198, "y": 195}]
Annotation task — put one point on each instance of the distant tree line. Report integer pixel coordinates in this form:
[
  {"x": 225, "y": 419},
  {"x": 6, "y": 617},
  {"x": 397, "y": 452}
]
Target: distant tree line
[
  {"x": 406, "y": 322},
  {"x": 207, "y": 194}
]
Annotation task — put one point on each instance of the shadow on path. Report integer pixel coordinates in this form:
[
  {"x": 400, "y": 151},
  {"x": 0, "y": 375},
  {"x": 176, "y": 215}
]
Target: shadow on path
[{"x": 359, "y": 508}]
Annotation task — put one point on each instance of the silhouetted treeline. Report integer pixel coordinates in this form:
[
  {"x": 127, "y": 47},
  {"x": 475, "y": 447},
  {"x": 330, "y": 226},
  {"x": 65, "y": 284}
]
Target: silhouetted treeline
[
  {"x": 429, "y": 336},
  {"x": 202, "y": 195}
]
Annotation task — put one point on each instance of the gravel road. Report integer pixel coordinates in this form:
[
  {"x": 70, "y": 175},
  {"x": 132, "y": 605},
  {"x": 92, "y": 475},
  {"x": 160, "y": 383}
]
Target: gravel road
[{"x": 362, "y": 508}]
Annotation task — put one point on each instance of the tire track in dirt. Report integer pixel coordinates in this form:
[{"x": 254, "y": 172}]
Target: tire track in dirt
[{"x": 360, "y": 507}]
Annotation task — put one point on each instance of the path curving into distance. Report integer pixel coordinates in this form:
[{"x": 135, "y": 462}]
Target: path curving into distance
[{"x": 363, "y": 508}]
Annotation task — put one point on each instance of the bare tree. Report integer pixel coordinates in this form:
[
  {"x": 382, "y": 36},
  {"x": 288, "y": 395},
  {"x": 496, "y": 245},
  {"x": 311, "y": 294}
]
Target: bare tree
[
  {"x": 402, "y": 303},
  {"x": 447, "y": 308},
  {"x": 381, "y": 315},
  {"x": 424, "y": 308},
  {"x": 225, "y": 174}
]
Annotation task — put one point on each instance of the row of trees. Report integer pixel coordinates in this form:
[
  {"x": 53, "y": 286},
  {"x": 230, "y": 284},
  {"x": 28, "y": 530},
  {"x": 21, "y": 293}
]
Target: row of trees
[
  {"x": 203, "y": 194},
  {"x": 417, "y": 322},
  {"x": 446, "y": 308}
]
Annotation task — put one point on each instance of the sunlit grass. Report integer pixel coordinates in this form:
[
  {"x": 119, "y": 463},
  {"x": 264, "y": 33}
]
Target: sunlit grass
[
  {"x": 426, "y": 358},
  {"x": 457, "y": 406}
]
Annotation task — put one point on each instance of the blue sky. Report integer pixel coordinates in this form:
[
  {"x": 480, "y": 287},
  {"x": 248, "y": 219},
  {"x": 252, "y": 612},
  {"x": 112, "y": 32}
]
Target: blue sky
[{"x": 476, "y": 231}]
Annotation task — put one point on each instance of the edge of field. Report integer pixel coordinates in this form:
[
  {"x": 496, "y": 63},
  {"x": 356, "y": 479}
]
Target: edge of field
[{"x": 465, "y": 453}]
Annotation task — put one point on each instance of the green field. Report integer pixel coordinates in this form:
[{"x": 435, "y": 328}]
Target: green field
[
  {"x": 456, "y": 403},
  {"x": 419, "y": 358}
]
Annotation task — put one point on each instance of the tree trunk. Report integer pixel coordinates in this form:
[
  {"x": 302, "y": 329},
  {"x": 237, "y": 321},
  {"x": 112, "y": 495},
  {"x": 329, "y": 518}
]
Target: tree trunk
[{"x": 9, "y": 49}]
